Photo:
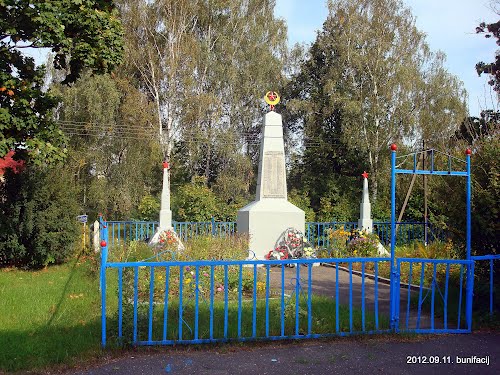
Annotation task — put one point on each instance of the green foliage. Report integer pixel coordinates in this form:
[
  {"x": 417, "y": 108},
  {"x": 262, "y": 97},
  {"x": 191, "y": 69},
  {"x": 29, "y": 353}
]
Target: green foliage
[
  {"x": 486, "y": 195},
  {"x": 81, "y": 34},
  {"x": 194, "y": 202},
  {"x": 111, "y": 148},
  {"x": 38, "y": 218},
  {"x": 149, "y": 207},
  {"x": 302, "y": 201},
  {"x": 493, "y": 68},
  {"x": 337, "y": 208}
]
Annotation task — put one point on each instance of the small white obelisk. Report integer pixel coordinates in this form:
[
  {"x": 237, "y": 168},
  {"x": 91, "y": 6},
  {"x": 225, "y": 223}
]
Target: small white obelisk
[
  {"x": 165, "y": 212},
  {"x": 365, "y": 221}
]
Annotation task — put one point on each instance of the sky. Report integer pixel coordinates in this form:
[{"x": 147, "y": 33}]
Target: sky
[{"x": 449, "y": 26}]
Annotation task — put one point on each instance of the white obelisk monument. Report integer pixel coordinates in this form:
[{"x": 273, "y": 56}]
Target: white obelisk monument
[
  {"x": 165, "y": 212},
  {"x": 266, "y": 218},
  {"x": 365, "y": 221}
]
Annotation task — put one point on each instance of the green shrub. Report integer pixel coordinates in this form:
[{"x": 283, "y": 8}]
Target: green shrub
[
  {"x": 149, "y": 207},
  {"x": 194, "y": 202},
  {"x": 38, "y": 224}
]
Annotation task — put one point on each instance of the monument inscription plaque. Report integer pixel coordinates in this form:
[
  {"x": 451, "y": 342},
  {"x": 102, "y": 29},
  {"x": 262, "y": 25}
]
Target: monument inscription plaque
[{"x": 274, "y": 175}]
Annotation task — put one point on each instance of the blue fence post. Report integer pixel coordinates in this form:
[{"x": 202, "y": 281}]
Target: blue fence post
[
  {"x": 393, "y": 236},
  {"x": 104, "y": 260},
  {"x": 468, "y": 198},
  {"x": 470, "y": 267},
  {"x": 213, "y": 227}
]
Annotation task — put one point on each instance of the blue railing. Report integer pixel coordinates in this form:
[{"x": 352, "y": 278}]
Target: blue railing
[
  {"x": 194, "y": 302},
  {"x": 425, "y": 288},
  {"x": 317, "y": 233},
  {"x": 186, "y": 230},
  {"x": 206, "y": 301},
  {"x": 491, "y": 259}
]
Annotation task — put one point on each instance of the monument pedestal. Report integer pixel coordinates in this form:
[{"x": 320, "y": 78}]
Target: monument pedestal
[
  {"x": 265, "y": 221},
  {"x": 266, "y": 218}
]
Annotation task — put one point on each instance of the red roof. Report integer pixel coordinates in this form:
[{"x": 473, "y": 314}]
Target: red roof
[{"x": 8, "y": 162}]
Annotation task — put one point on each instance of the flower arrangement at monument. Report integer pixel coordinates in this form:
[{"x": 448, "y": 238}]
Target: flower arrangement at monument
[
  {"x": 278, "y": 253},
  {"x": 170, "y": 240},
  {"x": 291, "y": 245}
]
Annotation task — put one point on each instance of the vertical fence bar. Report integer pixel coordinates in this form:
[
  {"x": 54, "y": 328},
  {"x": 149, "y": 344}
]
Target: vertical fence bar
[
  {"x": 254, "y": 312},
  {"x": 151, "y": 300},
  {"x": 376, "y": 295},
  {"x": 433, "y": 294},
  {"x": 282, "y": 300},
  {"x": 136, "y": 295},
  {"x": 337, "y": 289},
  {"x": 104, "y": 260},
  {"x": 409, "y": 292},
  {"x": 267, "y": 299},
  {"x": 196, "y": 301},
  {"x": 470, "y": 287},
  {"x": 422, "y": 274},
  {"x": 211, "y": 302},
  {"x": 468, "y": 206},
  {"x": 309, "y": 296},
  {"x": 120, "y": 302},
  {"x": 350, "y": 296},
  {"x": 491, "y": 286},
  {"x": 363, "y": 296},
  {"x": 181, "y": 285},
  {"x": 460, "y": 296},
  {"x": 393, "y": 233},
  {"x": 225, "y": 301},
  {"x": 297, "y": 299},
  {"x": 240, "y": 282},
  {"x": 165, "y": 308},
  {"x": 445, "y": 308}
]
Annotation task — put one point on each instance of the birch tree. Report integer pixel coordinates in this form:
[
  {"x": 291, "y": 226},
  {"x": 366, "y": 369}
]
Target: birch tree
[{"x": 158, "y": 38}]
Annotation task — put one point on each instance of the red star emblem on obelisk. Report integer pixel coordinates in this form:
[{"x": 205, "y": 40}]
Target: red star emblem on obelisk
[{"x": 364, "y": 174}]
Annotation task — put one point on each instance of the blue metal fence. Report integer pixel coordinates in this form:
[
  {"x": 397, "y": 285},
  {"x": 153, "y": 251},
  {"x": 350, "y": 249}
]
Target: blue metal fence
[
  {"x": 491, "y": 259},
  {"x": 171, "y": 302},
  {"x": 455, "y": 316},
  {"x": 317, "y": 233}
]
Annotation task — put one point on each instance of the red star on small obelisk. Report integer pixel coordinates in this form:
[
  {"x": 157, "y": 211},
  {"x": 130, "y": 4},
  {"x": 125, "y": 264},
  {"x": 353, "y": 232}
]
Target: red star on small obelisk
[{"x": 364, "y": 174}]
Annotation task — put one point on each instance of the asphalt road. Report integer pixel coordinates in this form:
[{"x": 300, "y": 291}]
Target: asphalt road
[{"x": 388, "y": 354}]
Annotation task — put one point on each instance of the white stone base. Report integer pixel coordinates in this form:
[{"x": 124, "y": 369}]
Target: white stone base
[
  {"x": 265, "y": 220},
  {"x": 381, "y": 250},
  {"x": 165, "y": 218},
  {"x": 365, "y": 225}
]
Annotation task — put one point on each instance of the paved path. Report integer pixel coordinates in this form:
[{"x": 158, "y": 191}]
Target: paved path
[{"x": 388, "y": 354}]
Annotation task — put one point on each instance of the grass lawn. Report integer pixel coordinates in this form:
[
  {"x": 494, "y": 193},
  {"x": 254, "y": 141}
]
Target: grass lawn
[
  {"x": 49, "y": 316},
  {"x": 52, "y": 316}
]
